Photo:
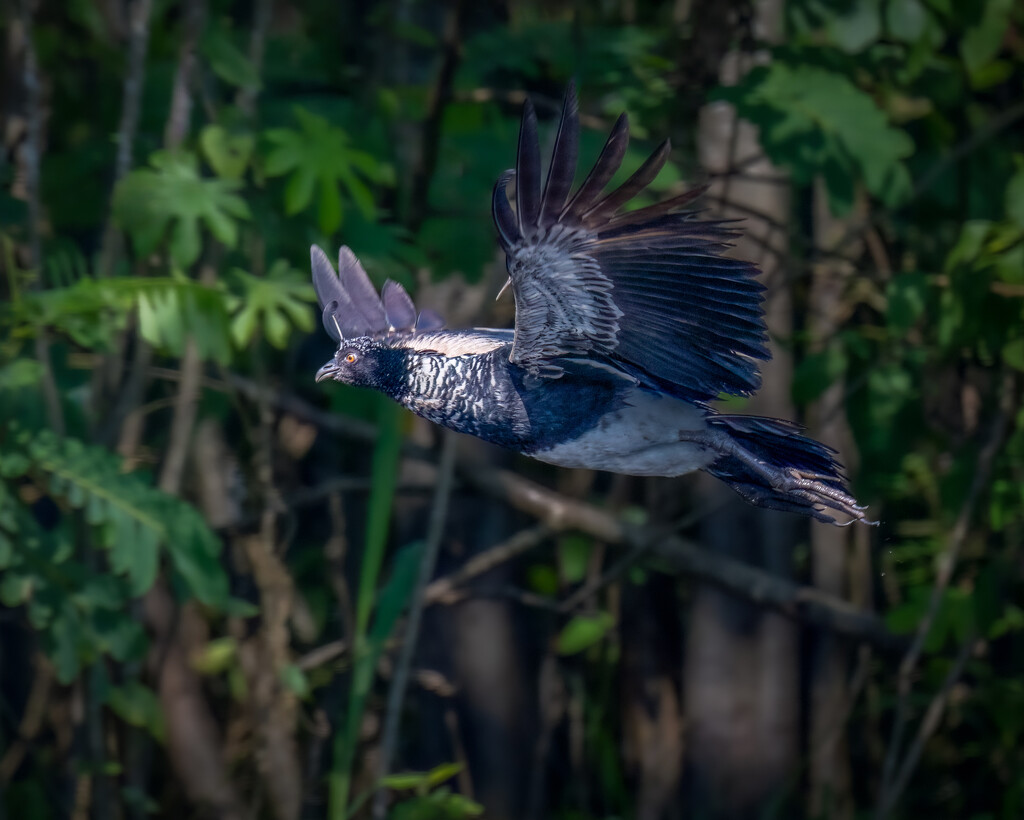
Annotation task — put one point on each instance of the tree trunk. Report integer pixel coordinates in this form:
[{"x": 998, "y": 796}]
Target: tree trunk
[
  {"x": 741, "y": 677},
  {"x": 830, "y": 546}
]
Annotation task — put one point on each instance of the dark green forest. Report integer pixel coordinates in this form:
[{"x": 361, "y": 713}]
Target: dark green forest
[{"x": 227, "y": 591}]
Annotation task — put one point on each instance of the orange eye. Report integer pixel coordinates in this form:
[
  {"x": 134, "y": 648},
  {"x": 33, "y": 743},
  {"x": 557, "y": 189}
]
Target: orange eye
[{"x": 350, "y": 358}]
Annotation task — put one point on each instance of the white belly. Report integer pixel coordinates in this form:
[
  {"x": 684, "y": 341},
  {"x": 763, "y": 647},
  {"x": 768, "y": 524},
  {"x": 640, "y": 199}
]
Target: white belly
[{"x": 640, "y": 439}]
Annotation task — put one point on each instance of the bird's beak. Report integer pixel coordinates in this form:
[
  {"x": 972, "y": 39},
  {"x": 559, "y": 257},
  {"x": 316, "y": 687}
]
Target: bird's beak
[{"x": 327, "y": 371}]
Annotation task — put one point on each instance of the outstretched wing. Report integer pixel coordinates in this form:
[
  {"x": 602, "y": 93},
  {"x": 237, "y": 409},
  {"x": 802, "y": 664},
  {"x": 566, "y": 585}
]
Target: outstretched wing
[
  {"x": 352, "y": 307},
  {"x": 648, "y": 289}
]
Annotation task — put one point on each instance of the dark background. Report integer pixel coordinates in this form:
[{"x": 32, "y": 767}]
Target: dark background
[{"x": 214, "y": 597}]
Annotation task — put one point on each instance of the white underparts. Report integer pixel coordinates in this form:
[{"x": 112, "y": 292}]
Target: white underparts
[{"x": 642, "y": 438}]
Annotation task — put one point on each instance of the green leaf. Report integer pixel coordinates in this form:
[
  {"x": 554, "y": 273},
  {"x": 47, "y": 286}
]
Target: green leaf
[
  {"x": 906, "y": 19},
  {"x": 65, "y": 636},
  {"x": 135, "y": 515},
  {"x": 170, "y": 200},
  {"x": 1015, "y": 194},
  {"x": 295, "y": 680},
  {"x": 137, "y": 705},
  {"x": 405, "y": 780},
  {"x": 573, "y": 557},
  {"x": 439, "y": 774},
  {"x": 583, "y": 631},
  {"x": 134, "y": 551},
  {"x": 856, "y": 29},
  {"x": 542, "y": 579},
  {"x": 968, "y": 247},
  {"x": 226, "y": 60},
  {"x": 390, "y": 600},
  {"x": 20, "y": 373},
  {"x": 278, "y": 303},
  {"x": 1013, "y": 353},
  {"x": 906, "y": 298},
  {"x": 395, "y": 594},
  {"x": 981, "y": 42},
  {"x": 228, "y": 154},
  {"x": 216, "y": 656},
  {"x": 319, "y": 156},
  {"x": 817, "y": 372}
]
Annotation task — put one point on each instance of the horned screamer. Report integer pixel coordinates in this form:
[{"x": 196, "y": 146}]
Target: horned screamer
[{"x": 629, "y": 324}]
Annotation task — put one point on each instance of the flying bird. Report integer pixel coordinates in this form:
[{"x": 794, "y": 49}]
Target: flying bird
[{"x": 628, "y": 326}]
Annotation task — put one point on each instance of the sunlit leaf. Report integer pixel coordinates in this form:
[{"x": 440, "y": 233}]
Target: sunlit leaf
[
  {"x": 171, "y": 200},
  {"x": 319, "y": 157},
  {"x": 227, "y": 153},
  {"x": 278, "y": 302},
  {"x": 812, "y": 118},
  {"x": 583, "y": 631}
]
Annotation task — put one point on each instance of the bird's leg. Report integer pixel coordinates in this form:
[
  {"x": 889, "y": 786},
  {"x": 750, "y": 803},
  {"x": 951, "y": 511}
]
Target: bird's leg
[{"x": 808, "y": 488}]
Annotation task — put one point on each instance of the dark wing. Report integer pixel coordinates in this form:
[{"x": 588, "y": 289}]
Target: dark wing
[
  {"x": 352, "y": 307},
  {"x": 648, "y": 289}
]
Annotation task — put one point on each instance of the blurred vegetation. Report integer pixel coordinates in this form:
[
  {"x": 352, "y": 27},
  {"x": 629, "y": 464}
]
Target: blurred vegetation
[{"x": 155, "y": 286}]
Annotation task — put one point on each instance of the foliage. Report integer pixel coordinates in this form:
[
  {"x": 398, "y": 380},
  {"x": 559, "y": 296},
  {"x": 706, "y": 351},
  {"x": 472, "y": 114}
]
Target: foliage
[
  {"x": 815, "y": 121},
  {"x": 78, "y": 609}
]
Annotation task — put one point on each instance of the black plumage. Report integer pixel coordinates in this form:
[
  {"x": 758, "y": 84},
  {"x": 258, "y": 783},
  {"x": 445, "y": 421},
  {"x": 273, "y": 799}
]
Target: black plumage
[{"x": 628, "y": 324}]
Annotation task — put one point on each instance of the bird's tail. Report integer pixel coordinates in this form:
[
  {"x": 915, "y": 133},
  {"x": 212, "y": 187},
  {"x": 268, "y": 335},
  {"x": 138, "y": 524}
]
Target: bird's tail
[{"x": 772, "y": 465}]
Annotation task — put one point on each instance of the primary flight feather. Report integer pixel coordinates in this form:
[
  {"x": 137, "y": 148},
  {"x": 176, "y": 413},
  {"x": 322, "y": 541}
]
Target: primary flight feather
[{"x": 628, "y": 324}]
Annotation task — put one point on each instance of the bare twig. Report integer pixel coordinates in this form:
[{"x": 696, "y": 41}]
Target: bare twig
[
  {"x": 445, "y": 590},
  {"x": 139, "y": 13},
  {"x": 322, "y": 655},
  {"x": 185, "y": 407},
  {"x": 930, "y": 722},
  {"x": 396, "y": 695},
  {"x": 943, "y": 576},
  {"x": 257, "y": 42},
  {"x": 559, "y": 513},
  {"x": 176, "y": 128},
  {"x": 616, "y": 571},
  {"x": 31, "y": 157},
  {"x": 441, "y": 95},
  {"x": 31, "y": 719},
  {"x": 794, "y": 600}
]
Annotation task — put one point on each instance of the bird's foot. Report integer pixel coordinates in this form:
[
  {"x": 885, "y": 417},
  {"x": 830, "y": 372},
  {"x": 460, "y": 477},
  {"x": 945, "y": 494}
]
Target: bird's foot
[{"x": 818, "y": 489}]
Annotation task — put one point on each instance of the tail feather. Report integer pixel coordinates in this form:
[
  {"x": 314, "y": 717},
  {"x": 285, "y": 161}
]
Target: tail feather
[{"x": 776, "y": 467}]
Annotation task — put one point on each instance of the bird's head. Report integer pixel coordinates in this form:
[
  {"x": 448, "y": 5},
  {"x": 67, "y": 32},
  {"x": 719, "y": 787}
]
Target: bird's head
[{"x": 364, "y": 362}]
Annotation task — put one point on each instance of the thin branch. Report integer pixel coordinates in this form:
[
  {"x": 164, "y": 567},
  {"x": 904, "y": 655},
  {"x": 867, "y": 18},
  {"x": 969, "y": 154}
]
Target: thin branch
[
  {"x": 246, "y": 98},
  {"x": 322, "y": 655},
  {"x": 794, "y": 600},
  {"x": 31, "y": 721},
  {"x": 559, "y": 513},
  {"x": 176, "y": 128},
  {"x": 396, "y": 695},
  {"x": 929, "y": 724},
  {"x": 185, "y": 407},
  {"x": 441, "y": 96},
  {"x": 943, "y": 576},
  {"x": 616, "y": 571},
  {"x": 139, "y": 14},
  {"x": 445, "y": 590},
  {"x": 32, "y": 155}
]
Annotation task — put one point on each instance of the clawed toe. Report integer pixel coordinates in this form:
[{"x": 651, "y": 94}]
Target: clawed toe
[{"x": 824, "y": 496}]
